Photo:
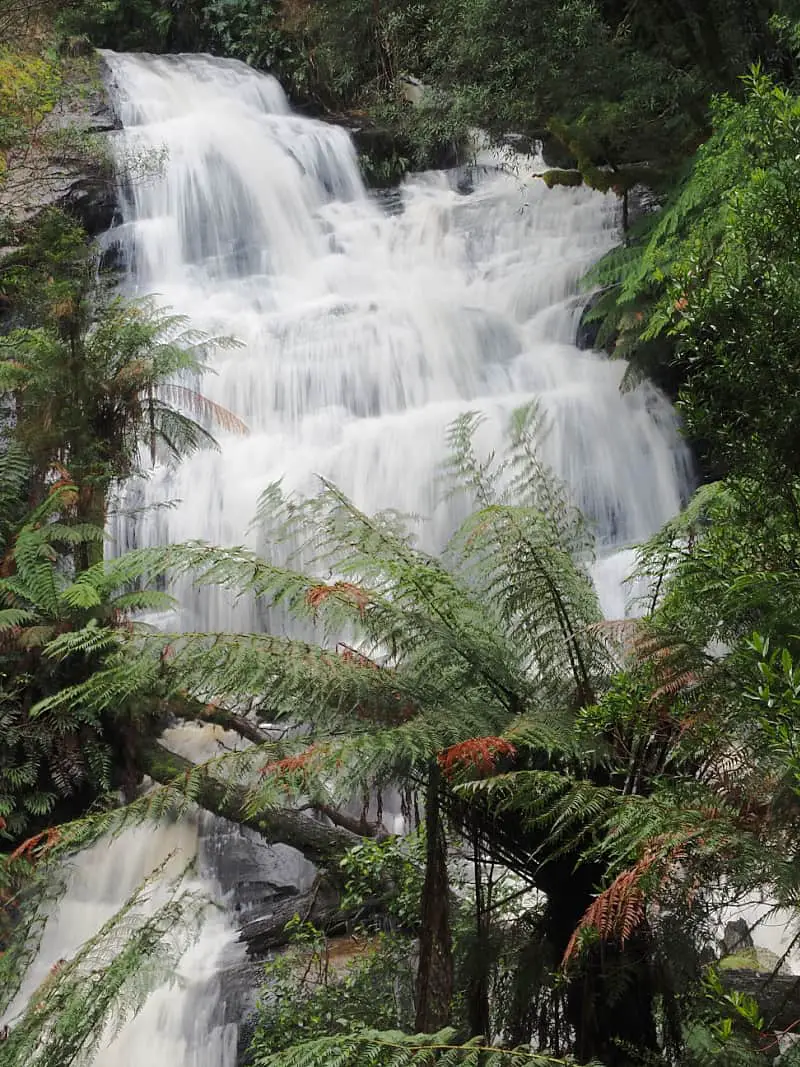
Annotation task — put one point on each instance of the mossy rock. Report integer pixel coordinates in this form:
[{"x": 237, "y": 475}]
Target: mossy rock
[
  {"x": 557, "y": 176},
  {"x": 750, "y": 959}
]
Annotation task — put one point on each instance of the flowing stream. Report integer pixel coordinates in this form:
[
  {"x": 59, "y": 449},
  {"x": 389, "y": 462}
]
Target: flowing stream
[{"x": 367, "y": 326}]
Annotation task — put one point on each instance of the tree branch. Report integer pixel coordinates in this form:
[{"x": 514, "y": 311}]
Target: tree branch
[
  {"x": 192, "y": 711},
  {"x": 359, "y": 826},
  {"x": 322, "y": 845}
]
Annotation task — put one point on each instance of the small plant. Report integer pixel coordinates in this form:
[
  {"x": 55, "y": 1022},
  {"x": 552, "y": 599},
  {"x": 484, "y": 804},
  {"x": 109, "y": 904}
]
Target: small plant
[
  {"x": 328, "y": 986},
  {"x": 399, "y": 862}
]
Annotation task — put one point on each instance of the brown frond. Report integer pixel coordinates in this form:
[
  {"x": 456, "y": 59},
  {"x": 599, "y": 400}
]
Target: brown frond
[
  {"x": 620, "y": 635},
  {"x": 204, "y": 408},
  {"x": 620, "y": 909},
  {"x": 345, "y": 591},
  {"x": 671, "y": 686},
  {"x": 36, "y": 847}
]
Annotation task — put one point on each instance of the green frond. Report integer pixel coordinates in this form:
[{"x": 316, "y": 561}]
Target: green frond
[
  {"x": 12, "y": 618},
  {"x": 106, "y": 983},
  {"x": 572, "y": 811},
  {"x": 526, "y": 551},
  {"x": 389, "y": 1048},
  {"x": 86, "y": 641}
]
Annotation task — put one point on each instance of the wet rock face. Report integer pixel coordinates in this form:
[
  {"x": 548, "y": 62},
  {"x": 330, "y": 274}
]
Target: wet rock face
[
  {"x": 251, "y": 874},
  {"x": 72, "y": 172},
  {"x": 91, "y": 192},
  {"x": 588, "y": 330},
  {"x": 255, "y": 880}
]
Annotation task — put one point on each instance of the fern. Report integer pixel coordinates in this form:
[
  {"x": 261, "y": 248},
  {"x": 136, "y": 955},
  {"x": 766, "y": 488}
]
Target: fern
[
  {"x": 105, "y": 983},
  {"x": 396, "y": 1049}
]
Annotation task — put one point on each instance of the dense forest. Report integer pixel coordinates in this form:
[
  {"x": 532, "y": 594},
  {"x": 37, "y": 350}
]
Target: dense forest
[{"x": 589, "y": 796}]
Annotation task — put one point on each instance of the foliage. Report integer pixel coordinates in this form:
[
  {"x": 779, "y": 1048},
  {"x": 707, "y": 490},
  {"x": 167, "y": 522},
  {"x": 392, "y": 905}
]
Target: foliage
[
  {"x": 106, "y": 983},
  {"x": 38, "y": 87},
  {"x": 29, "y": 87},
  {"x": 333, "y": 987},
  {"x": 501, "y": 619},
  {"x": 636, "y": 776},
  {"x": 617, "y": 83},
  {"x": 400, "y": 861},
  {"x": 395, "y": 1048},
  {"x": 58, "y": 630},
  {"x": 98, "y": 378},
  {"x": 698, "y": 285}
]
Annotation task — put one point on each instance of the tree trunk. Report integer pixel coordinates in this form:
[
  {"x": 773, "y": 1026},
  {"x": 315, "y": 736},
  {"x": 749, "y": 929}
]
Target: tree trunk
[
  {"x": 435, "y": 971},
  {"x": 92, "y": 501}
]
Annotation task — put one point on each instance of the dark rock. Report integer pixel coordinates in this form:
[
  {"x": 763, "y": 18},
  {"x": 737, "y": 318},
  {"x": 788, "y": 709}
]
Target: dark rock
[
  {"x": 555, "y": 154},
  {"x": 522, "y": 143},
  {"x": 642, "y": 201},
  {"x": 388, "y": 154},
  {"x": 112, "y": 257},
  {"x": 76, "y": 47},
  {"x": 92, "y": 200},
  {"x": 777, "y": 995},
  {"x": 586, "y": 336}
]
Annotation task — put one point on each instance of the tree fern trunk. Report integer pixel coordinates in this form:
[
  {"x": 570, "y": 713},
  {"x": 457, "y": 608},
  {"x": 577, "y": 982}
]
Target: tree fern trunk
[
  {"x": 435, "y": 971},
  {"x": 610, "y": 998},
  {"x": 478, "y": 1007},
  {"x": 91, "y": 509}
]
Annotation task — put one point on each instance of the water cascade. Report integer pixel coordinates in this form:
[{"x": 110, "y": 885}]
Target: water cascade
[{"x": 365, "y": 332}]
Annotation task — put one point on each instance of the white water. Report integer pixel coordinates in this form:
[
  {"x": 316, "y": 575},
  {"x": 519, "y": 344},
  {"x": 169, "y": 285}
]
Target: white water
[
  {"x": 366, "y": 332},
  {"x": 181, "y": 1024}
]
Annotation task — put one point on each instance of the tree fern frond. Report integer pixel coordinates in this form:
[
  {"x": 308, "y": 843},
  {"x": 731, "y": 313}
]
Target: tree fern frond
[
  {"x": 106, "y": 983},
  {"x": 615, "y": 914},
  {"x": 13, "y": 618},
  {"x": 395, "y": 1049},
  {"x": 202, "y": 407}
]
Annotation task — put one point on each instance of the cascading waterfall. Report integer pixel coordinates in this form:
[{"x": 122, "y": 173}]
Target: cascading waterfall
[
  {"x": 182, "y": 1024},
  {"x": 365, "y": 332}
]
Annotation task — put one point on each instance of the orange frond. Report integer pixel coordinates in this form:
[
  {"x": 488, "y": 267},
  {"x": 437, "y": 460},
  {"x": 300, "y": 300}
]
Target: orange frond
[
  {"x": 346, "y": 591},
  {"x": 292, "y": 765},
  {"x": 478, "y": 753},
  {"x": 37, "y": 846}
]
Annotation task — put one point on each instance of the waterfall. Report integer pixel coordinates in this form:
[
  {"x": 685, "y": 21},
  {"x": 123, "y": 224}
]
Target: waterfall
[{"x": 365, "y": 330}]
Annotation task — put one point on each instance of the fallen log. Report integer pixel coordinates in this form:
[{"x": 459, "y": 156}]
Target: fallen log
[{"x": 322, "y": 844}]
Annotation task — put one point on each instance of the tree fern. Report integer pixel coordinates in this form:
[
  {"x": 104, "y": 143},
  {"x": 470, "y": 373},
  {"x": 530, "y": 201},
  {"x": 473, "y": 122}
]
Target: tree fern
[{"x": 395, "y": 1049}]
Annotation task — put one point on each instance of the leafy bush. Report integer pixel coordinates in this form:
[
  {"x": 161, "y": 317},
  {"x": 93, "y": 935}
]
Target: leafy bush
[{"x": 309, "y": 992}]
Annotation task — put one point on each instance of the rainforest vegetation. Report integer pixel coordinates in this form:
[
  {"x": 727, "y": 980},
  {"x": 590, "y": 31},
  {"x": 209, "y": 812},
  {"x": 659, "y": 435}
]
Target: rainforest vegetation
[{"x": 588, "y": 794}]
